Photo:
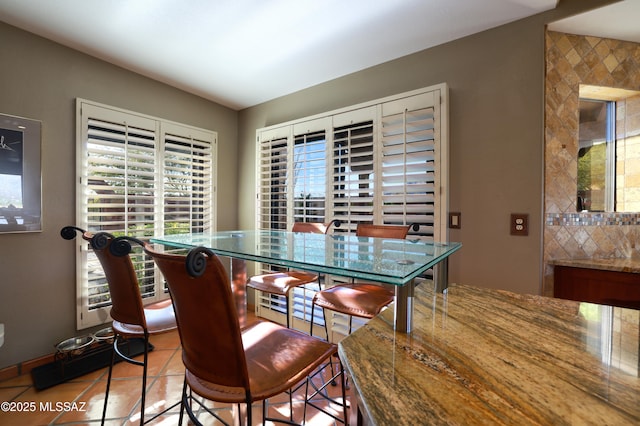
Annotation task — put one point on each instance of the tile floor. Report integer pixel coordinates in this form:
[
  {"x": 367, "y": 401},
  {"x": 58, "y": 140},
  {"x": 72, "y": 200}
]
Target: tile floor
[{"x": 165, "y": 379}]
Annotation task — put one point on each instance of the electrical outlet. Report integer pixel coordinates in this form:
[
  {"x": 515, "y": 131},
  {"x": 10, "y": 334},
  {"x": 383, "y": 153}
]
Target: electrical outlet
[
  {"x": 455, "y": 220},
  {"x": 519, "y": 224}
]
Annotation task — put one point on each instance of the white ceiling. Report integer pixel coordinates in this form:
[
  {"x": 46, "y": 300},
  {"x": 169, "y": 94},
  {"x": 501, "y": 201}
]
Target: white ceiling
[
  {"x": 243, "y": 52},
  {"x": 620, "y": 21}
]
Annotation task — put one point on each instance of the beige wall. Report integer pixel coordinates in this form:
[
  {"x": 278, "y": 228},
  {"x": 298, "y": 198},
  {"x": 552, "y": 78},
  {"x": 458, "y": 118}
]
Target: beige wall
[
  {"x": 496, "y": 81},
  {"x": 41, "y": 80}
]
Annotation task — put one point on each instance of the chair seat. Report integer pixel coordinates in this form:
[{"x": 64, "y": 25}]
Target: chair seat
[
  {"x": 281, "y": 282},
  {"x": 277, "y": 359},
  {"x": 360, "y": 300},
  {"x": 159, "y": 316}
]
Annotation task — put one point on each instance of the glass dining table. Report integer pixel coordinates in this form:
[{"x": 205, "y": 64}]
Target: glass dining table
[{"x": 387, "y": 261}]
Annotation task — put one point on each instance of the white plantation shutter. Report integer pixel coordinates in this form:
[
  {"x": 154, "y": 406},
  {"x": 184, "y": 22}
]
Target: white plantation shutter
[
  {"x": 120, "y": 174},
  {"x": 291, "y": 188},
  {"x": 138, "y": 176},
  {"x": 351, "y": 175},
  {"x": 309, "y": 184},
  {"x": 352, "y": 178},
  {"x": 409, "y": 162},
  {"x": 273, "y": 152},
  {"x": 386, "y": 163},
  {"x": 272, "y": 204},
  {"x": 309, "y": 193},
  {"x": 187, "y": 181},
  {"x": 307, "y": 190},
  {"x": 117, "y": 194},
  {"x": 292, "y": 163}
]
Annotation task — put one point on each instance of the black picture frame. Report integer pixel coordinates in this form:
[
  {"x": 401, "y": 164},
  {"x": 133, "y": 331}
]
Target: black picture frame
[{"x": 20, "y": 174}]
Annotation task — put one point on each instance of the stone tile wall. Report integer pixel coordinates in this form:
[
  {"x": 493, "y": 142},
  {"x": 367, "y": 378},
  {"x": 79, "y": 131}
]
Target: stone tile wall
[
  {"x": 572, "y": 60},
  {"x": 628, "y": 155}
]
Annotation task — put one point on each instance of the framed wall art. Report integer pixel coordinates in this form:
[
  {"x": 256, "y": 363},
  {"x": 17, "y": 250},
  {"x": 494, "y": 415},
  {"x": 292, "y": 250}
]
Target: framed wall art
[{"x": 20, "y": 175}]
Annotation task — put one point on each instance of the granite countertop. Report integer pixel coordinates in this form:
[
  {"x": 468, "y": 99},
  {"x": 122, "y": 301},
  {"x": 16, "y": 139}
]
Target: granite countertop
[
  {"x": 630, "y": 265},
  {"x": 479, "y": 356}
]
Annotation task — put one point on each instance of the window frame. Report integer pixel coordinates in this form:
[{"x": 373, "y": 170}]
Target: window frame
[
  {"x": 191, "y": 151},
  {"x": 371, "y": 114},
  {"x": 369, "y": 110}
]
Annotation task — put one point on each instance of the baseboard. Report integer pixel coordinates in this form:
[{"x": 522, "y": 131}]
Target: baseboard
[
  {"x": 67, "y": 368},
  {"x": 25, "y": 367}
]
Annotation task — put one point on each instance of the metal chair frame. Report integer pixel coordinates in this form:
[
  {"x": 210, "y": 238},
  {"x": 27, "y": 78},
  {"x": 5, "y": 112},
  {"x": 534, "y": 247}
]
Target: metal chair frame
[
  {"x": 126, "y": 325},
  {"x": 365, "y": 230},
  {"x": 296, "y": 279},
  {"x": 198, "y": 282}
]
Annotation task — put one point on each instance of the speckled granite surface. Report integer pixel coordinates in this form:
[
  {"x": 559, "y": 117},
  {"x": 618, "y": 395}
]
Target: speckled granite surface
[
  {"x": 479, "y": 356},
  {"x": 630, "y": 265}
]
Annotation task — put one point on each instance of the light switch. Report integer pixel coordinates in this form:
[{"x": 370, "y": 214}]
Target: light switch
[
  {"x": 1, "y": 334},
  {"x": 455, "y": 220}
]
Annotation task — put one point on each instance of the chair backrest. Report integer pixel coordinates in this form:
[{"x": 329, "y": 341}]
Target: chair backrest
[
  {"x": 206, "y": 316},
  {"x": 382, "y": 231},
  {"x": 314, "y": 227},
  {"x": 126, "y": 301},
  {"x": 310, "y": 227}
]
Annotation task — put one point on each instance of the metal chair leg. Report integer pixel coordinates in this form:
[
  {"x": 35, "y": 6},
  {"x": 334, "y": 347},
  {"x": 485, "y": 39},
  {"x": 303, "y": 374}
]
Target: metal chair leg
[
  {"x": 106, "y": 394},
  {"x": 343, "y": 379},
  {"x": 144, "y": 378},
  {"x": 286, "y": 299},
  {"x": 313, "y": 307},
  {"x": 321, "y": 391},
  {"x": 264, "y": 412},
  {"x": 183, "y": 400},
  {"x": 324, "y": 320},
  {"x": 144, "y": 364}
]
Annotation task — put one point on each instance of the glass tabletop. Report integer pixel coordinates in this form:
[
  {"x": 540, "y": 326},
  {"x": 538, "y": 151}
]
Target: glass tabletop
[{"x": 383, "y": 260}]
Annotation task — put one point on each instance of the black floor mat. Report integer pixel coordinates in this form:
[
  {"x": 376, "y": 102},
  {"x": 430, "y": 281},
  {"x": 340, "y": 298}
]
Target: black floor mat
[{"x": 60, "y": 371}]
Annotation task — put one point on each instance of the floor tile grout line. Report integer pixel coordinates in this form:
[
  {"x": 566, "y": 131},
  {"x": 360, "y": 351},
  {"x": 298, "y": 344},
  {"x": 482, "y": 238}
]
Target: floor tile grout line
[
  {"x": 21, "y": 393},
  {"x": 150, "y": 385},
  {"x": 93, "y": 382},
  {"x": 148, "y": 388},
  {"x": 139, "y": 400}
]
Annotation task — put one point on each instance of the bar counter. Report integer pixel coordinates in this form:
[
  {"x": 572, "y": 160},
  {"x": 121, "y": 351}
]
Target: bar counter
[
  {"x": 626, "y": 264},
  {"x": 480, "y": 356}
]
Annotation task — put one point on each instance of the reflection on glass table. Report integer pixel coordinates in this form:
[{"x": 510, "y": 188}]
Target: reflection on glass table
[{"x": 389, "y": 261}]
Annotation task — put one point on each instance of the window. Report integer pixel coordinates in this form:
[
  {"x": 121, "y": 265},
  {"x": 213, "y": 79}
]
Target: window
[
  {"x": 137, "y": 176},
  {"x": 596, "y": 156},
  {"x": 309, "y": 189},
  {"x": 352, "y": 174},
  {"x": 382, "y": 162},
  {"x": 608, "y": 174}
]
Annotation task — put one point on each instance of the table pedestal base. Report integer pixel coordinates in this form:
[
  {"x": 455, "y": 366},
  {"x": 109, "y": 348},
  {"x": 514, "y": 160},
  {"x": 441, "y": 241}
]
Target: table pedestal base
[{"x": 239, "y": 288}]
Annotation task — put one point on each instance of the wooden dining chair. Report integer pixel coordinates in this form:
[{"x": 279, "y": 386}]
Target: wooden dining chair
[
  {"x": 281, "y": 283},
  {"x": 363, "y": 300},
  {"x": 222, "y": 362},
  {"x": 131, "y": 319}
]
